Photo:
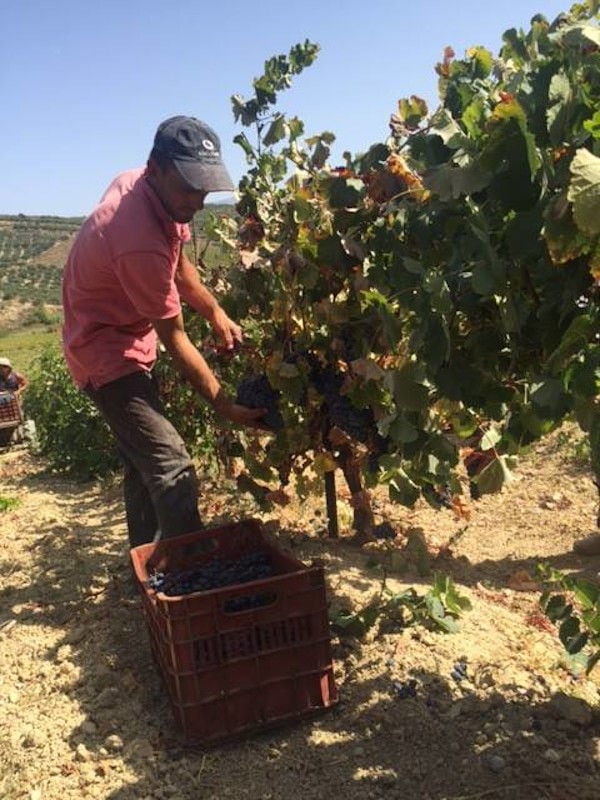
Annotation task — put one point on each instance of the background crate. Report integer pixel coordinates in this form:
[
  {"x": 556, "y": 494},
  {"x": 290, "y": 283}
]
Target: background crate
[
  {"x": 11, "y": 417},
  {"x": 232, "y": 672},
  {"x": 10, "y": 410}
]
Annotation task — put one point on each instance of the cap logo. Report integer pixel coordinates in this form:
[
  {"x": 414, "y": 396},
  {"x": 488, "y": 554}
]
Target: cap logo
[{"x": 207, "y": 144}]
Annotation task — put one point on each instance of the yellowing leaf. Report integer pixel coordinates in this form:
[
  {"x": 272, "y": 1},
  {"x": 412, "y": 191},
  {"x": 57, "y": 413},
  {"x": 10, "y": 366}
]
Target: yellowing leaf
[
  {"x": 509, "y": 107},
  {"x": 460, "y": 507},
  {"x": 324, "y": 462},
  {"x": 522, "y": 581},
  {"x": 274, "y": 362},
  {"x": 595, "y": 262},
  {"x": 398, "y": 167},
  {"x": 483, "y": 60},
  {"x": 338, "y": 437}
]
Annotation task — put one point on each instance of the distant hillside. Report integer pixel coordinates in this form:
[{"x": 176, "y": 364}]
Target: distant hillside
[
  {"x": 32, "y": 254},
  {"x": 33, "y": 251}
]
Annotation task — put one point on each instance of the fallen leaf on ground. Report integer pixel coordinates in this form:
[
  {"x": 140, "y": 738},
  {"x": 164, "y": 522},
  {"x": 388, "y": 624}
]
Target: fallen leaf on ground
[{"x": 521, "y": 581}]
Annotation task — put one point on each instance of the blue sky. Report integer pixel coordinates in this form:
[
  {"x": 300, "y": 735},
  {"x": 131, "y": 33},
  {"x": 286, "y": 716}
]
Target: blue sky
[{"x": 85, "y": 84}]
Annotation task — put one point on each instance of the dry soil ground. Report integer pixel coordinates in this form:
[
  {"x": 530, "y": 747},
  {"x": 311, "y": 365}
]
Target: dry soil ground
[{"x": 83, "y": 713}]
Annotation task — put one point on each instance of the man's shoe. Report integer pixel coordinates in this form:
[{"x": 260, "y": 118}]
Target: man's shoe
[{"x": 590, "y": 546}]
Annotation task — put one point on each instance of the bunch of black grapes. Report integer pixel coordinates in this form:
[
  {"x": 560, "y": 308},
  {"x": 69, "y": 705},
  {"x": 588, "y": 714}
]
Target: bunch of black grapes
[
  {"x": 215, "y": 574},
  {"x": 359, "y": 423},
  {"x": 350, "y": 339},
  {"x": 356, "y": 422},
  {"x": 438, "y": 496},
  {"x": 459, "y": 671},
  {"x": 257, "y": 392}
]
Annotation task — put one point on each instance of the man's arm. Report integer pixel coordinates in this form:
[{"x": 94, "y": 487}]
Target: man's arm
[
  {"x": 198, "y": 297},
  {"x": 193, "y": 366}
]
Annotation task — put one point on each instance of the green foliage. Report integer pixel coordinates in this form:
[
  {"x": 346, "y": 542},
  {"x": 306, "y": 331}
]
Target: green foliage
[
  {"x": 23, "y": 345},
  {"x": 449, "y": 272},
  {"x": 8, "y": 503},
  {"x": 71, "y": 434},
  {"x": 573, "y": 605},
  {"x": 41, "y": 314},
  {"x": 439, "y": 607},
  {"x": 203, "y": 250}
]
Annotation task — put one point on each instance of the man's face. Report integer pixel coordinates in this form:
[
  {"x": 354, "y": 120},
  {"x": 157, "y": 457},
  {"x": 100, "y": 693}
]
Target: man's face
[
  {"x": 180, "y": 201},
  {"x": 4, "y": 371}
]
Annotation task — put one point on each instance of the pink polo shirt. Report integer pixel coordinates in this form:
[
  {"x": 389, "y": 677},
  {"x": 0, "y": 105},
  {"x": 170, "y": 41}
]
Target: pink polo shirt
[{"x": 119, "y": 275}]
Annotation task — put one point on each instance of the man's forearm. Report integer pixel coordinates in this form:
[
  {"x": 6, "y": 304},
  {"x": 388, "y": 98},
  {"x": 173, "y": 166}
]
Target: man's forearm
[
  {"x": 190, "y": 362},
  {"x": 198, "y": 296},
  {"x": 192, "y": 289}
]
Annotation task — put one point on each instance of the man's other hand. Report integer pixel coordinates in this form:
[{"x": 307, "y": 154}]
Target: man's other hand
[
  {"x": 225, "y": 328},
  {"x": 239, "y": 414}
]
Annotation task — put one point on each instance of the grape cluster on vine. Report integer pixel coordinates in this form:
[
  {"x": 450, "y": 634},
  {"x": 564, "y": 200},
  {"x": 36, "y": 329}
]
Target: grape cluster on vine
[
  {"x": 340, "y": 412},
  {"x": 358, "y": 423},
  {"x": 257, "y": 392}
]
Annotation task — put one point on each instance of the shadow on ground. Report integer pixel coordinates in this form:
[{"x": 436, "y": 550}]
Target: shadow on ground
[{"x": 372, "y": 745}]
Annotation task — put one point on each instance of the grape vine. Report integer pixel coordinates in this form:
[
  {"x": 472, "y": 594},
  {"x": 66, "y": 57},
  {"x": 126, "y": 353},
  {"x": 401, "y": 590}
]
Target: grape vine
[{"x": 444, "y": 282}]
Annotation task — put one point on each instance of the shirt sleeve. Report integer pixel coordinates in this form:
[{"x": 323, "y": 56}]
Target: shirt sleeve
[{"x": 147, "y": 279}]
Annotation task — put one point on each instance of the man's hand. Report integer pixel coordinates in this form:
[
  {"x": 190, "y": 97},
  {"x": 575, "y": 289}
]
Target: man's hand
[
  {"x": 191, "y": 364},
  {"x": 225, "y": 328},
  {"x": 240, "y": 415},
  {"x": 198, "y": 296}
]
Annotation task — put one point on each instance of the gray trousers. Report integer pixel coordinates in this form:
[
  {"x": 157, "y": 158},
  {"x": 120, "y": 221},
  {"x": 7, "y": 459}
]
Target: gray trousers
[{"x": 160, "y": 482}]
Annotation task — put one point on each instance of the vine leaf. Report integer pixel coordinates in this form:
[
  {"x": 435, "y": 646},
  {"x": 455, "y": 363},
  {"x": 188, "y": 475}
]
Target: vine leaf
[
  {"x": 584, "y": 191},
  {"x": 450, "y": 182},
  {"x": 411, "y": 111},
  {"x": 490, "y": 439},
  {"x": 277, "y": 130},
  {"x": 493, "y": 476},
  {"x": 402, "y": 490},
  {"x": 571, "y": 636},
  {"x": 560, "y": 98},
  {"x": 580, "y": 36}
]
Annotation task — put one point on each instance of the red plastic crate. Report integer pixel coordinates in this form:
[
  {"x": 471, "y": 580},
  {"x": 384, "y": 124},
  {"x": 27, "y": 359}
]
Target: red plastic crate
[
  {"x": 234, "y": 672},
  {"x": 10, "y": 410}
]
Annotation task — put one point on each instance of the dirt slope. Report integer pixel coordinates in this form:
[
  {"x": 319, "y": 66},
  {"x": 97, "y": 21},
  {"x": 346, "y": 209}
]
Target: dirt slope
[{"x": 83, "y": 713}]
